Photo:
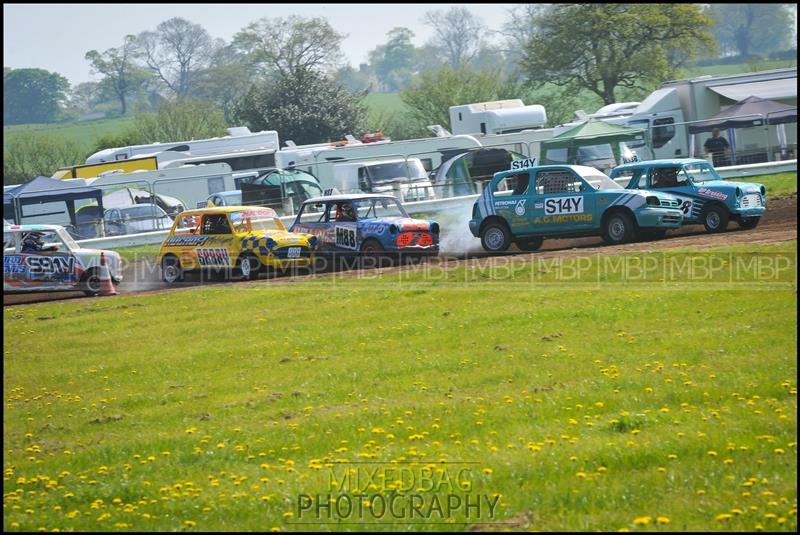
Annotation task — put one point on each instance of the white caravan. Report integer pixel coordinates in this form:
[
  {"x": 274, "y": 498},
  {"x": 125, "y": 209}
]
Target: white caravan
[
  {"x": 238, "y": 138},
  {"x": 502, "y": 124}
]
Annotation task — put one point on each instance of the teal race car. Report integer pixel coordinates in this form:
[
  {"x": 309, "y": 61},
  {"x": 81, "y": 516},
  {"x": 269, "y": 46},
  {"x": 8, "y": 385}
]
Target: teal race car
[
  {"x": 559, "y": 201},
  {"x": 705, "y": 197}
]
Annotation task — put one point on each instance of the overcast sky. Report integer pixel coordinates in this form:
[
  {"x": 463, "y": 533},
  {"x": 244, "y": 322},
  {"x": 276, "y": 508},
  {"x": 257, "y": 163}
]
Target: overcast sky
[{"x": 56, "y": 37}]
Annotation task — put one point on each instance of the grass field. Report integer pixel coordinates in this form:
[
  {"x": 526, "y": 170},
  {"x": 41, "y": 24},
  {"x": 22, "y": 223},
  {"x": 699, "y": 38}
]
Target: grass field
[
  {"x": 85, "y": 132},
  {"x": 560, "y": 398},
  {"x": 778, "y": 185}
]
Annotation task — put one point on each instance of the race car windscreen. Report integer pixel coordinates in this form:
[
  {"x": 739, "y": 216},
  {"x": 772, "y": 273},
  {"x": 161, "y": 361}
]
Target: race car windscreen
[
  {"x": 383, "y": 207},
  {"x": 256, "y": 220},
  {"x": 601, "y": 182},
  {"x": 700, "y": 172}
]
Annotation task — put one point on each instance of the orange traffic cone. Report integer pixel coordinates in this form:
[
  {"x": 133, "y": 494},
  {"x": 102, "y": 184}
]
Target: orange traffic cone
[{"x": 106, "y": 286}]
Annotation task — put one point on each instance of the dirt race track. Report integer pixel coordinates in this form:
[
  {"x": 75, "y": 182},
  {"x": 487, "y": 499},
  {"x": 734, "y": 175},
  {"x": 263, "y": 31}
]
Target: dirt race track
[{"x": 779, "y": 224}]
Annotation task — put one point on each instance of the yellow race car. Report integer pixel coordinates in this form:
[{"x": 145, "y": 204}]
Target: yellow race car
[{"x": 234, "y": 239}]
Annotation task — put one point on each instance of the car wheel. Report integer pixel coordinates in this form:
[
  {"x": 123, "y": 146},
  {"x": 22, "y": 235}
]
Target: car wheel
[
  {"x": 171, "y": 271},
  {"x": 248, "y": 267},
  {"x": 530, "y": 244},
  {"x": 372, "y": 253},
  {"x": 618, "y": 229},
  {"x": 495, "y": 237},
  {"x": 715, "y": 218},
  {"x": 748, "y": 223},
  {"x": 91, "y": 283}
]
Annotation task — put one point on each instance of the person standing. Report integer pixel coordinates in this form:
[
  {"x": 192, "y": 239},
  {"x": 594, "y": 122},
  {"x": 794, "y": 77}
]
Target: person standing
[{"x": 718, "y": 147}]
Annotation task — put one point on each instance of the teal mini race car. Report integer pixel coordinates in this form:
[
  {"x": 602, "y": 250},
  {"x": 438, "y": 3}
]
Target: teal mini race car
[
  {"x": 559, "y": 201},
  {"x": 705, "y": 197}
]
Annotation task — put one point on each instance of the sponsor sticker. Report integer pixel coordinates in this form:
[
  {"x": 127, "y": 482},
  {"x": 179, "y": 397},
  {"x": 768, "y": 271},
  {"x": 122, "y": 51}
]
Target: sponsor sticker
[
  {"x": 520, "y": 208},
  {"x": 556, "y": 219},
  {"x": 713, "y": 194}
]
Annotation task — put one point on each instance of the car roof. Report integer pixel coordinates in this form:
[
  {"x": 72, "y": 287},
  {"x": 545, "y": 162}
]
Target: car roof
[
  {"x": 225, "y": 209},
  {"x": 661, "y": 163},
  {"x": 349, "y": 197}
]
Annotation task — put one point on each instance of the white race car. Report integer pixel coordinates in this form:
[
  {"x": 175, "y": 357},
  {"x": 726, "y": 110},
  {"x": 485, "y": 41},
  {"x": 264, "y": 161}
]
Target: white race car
[{"x": 45, "y": 258}]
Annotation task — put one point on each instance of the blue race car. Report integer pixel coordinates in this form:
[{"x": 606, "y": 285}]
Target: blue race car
[
  {"x": 558, "y": 201},
  {"x": 705, "y": 197},
  {"x": 366, "y": 224}
]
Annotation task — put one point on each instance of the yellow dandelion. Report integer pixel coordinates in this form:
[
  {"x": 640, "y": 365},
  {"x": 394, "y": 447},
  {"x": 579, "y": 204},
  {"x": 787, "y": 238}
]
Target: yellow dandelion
[
  {"x": 642, "y": 520},
  {"x": 662, "y": 520}
]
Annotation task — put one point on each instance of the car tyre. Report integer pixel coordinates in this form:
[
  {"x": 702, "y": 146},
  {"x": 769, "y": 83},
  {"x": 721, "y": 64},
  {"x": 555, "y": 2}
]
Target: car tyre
[
  {"x": 495, "y": 237},
  {"x": 715, "y": 218},
  {"x": 618, "y": 228},
  {"x": 91, "y": 283},
  {"x": 530, "y": 244},
  {"x": 372, "y": 253},
  {"x": 748, "y": 223},
  {"x": 247, "y": 267},
  {"x": 171, "y": 271}
]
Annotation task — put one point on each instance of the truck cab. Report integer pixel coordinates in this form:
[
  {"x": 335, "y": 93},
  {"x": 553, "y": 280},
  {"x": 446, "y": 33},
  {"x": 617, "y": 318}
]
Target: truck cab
[{"x": 405, "y": 178}]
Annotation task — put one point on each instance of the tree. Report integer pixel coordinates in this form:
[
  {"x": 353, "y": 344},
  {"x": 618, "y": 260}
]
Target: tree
[
  {"x": 119, "y": 69},
  {"x": 225, "y": 81},
  {"x": 393, "y": 62},
  {"x": 182, "y": 119},
  {"x": 176, "y": 51},
  {"x": 458, "y": 34},
  {"x": 288, "y": 45},
  {"x": 33, "y": 96},
  {"x": 602, "y": 47},
  {"x": 27, "y": 155},
  {"x": 432, "y": 94},
  {"x": 305, "y": 106},
  {"x": 752, "y": 28}
]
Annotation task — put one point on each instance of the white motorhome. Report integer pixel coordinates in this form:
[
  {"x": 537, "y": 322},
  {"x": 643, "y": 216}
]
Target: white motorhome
[
  {"x": 502, "y": 124},
  {"x": 496, "y": 117},
  {"x": 238, "y": 138},
  {"x": 668, "y": 112},
  {"x": 321, "y": 159},
  {"x": 404, "y": 178}
]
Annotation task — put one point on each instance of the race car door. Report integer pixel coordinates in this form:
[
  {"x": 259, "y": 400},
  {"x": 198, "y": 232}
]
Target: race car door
[
  {"x": 511, "y": 197},
  {"x": 562, "y": 202},
  {"x": 214, "y": 251}
]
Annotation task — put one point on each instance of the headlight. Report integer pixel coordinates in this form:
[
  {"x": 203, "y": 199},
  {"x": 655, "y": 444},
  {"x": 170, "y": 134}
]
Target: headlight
[
  {"x": 435, "y": 227},
  {"x": 738, "y": 192},
  {"x": 393, "y": 228},
  {"x": 653, "y": 201},
  {"x": 763, "y": 191}
]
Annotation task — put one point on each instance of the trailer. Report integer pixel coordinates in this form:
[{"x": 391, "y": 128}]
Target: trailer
[{"x": 669, "y": 112}]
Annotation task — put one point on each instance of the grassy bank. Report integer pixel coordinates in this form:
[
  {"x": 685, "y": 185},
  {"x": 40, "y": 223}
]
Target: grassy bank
[{"x": 570, "y": 402}]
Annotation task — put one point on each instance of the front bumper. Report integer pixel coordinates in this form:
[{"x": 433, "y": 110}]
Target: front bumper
[
  {"x": 659, "y": 218},
  {"x": 755, "y": 211}
]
